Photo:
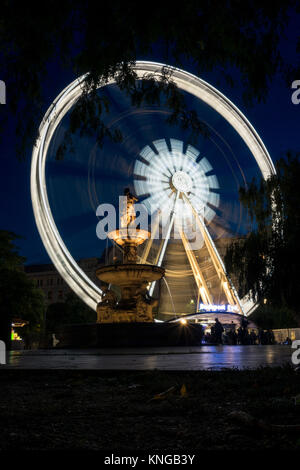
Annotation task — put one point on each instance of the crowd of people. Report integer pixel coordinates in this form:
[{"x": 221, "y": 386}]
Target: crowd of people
[{"x": 241, "y": 335}]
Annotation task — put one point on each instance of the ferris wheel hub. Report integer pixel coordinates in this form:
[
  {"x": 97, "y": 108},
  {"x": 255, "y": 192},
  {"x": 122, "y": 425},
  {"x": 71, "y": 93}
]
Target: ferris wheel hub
[{"x": 182, "y": 181}]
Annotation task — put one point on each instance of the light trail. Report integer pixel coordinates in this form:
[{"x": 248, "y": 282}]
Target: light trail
[
  {"x": 165, "y": 243},
  {"x": 54, "y": 245}
]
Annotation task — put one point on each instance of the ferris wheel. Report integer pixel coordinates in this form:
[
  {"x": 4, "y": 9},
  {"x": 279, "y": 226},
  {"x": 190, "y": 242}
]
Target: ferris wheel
[{"x": 182, "y": 188}]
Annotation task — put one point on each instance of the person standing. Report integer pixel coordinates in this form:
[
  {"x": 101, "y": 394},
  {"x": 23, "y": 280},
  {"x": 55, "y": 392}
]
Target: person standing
[
  {"x": 253, "y": 337},
  {"x": 218, "y": 328}
]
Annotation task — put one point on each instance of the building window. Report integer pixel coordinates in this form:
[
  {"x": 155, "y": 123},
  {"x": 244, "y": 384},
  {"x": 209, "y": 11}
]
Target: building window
[
  {"x": 60, "y": 294},
  {"x": 50, "y": 295}
]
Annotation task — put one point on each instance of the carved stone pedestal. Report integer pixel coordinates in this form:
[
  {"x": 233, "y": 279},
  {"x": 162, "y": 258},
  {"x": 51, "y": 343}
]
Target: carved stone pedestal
[{"x": 135, "y": 304}]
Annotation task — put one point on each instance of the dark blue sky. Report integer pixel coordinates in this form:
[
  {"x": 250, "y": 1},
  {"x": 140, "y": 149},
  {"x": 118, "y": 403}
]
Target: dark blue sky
[{"x": 277, "y": 121}]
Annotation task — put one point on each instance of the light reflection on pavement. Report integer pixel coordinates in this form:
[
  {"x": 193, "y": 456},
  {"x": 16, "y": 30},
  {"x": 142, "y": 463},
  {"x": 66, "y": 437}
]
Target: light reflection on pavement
[{"x": 176, "y": 358}]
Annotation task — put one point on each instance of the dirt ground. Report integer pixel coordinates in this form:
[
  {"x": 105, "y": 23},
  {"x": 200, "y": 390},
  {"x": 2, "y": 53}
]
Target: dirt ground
[{"x": 153, "y": 410}]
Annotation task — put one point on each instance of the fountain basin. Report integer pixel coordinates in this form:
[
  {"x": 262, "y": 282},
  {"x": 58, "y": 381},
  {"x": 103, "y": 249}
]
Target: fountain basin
[{"x": 130, "y": 274}]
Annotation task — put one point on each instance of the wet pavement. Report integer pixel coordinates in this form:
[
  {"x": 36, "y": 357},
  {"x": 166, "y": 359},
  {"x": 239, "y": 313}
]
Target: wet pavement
[{"x": 175, "y": 358}]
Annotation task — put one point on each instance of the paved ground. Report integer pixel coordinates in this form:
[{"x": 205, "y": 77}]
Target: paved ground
[{"x": 177, "y": 358}]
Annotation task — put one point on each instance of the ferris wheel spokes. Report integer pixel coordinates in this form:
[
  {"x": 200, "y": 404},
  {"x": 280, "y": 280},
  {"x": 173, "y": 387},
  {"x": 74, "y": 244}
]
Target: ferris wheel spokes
[
  {"x": 149, "y": 242},
  {"x": 197, "y": 273},
  {"x": 166, "y": 240}
]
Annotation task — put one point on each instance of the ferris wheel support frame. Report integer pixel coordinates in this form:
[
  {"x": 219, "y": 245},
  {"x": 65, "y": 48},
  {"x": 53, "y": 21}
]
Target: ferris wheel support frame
[
  {"x": 203, "y": 290},
  {"x": 226, "y": 284}
]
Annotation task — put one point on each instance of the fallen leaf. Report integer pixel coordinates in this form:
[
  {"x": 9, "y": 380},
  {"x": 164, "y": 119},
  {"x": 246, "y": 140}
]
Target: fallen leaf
[
  {"x": 183, "y": 391},
  {"x": 163, "y": 395}
]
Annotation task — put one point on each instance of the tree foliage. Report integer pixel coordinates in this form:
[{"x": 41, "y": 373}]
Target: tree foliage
[
  {"x": 270, "y": 317},
  {"x": 9, "y": 256},
  {"x": 73, "y": 310},
  {"x": 267, "y": 261},
  {"x": 241, "y": 36},
  {"x": 19, "y": 297}
]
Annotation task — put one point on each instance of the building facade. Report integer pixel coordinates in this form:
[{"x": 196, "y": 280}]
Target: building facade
[{"x": 48, "y": 279}]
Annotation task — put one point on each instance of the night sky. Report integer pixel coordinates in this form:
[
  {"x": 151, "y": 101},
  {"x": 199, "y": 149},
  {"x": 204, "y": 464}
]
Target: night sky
[{"x": 276, "y": 121}]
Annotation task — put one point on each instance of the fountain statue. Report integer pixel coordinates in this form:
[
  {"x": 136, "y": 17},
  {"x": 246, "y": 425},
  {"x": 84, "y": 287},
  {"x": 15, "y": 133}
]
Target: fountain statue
[{"x": 135, "y": 304}]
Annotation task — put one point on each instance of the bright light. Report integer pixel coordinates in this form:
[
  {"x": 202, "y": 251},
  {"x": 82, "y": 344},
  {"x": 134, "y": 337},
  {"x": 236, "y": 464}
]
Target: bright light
[
  {"x": 182, "y": 181},
  {"x": 15, "y": 336},
  {"x": 218, "y": 308},
  {"x": 183, "y": 321}
]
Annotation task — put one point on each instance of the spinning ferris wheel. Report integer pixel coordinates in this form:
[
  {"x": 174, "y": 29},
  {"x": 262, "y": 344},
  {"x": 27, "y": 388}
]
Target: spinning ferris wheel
[{"x": 181, "y": 186}]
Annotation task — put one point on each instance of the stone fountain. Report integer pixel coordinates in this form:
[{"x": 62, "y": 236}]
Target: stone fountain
[
  {"x": 135, "y": 305},
  {"x": 128, "y": 321}
]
